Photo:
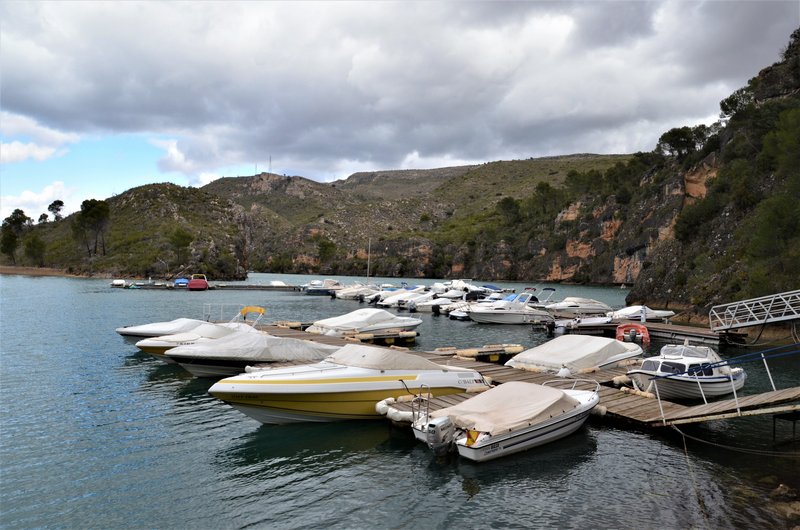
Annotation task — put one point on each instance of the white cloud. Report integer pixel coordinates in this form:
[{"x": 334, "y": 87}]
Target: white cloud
[
  {"x": 17, "y": 152},
  {"x": 35, "y": 203},
  {"x": 33, "y": 141}
]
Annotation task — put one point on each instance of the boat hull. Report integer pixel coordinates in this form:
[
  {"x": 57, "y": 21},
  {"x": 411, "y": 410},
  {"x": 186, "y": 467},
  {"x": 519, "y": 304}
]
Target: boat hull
[
  {"x": 524, "y": 439},
  {"x": 688, "y": 387},
  {"x": 282, "y": 408},
  {"x": 507, "y": 317},
  {"x": 213, "y": 367}
]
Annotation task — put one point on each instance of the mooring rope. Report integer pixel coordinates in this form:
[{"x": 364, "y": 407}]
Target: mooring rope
[
  {"x": 694, "y": 482},
  {"x": 736, "y": 449}
]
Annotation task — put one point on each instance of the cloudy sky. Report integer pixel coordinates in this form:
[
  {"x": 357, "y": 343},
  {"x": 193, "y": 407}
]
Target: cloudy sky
[{"x": 96, "y": 98}]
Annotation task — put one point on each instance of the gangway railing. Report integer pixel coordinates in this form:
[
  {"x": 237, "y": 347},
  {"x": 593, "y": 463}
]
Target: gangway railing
[{"x": 756, "y": 311}]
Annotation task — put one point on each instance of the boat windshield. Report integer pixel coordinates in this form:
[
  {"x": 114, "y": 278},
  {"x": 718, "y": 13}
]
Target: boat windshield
[
  {"x": 650, "y": 365},
  {"x": 700, "y": 369},
  {"x": 672, "y": 368}
]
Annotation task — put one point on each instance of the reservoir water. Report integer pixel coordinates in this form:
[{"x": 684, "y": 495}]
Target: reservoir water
[{"x": 96, "y": 434}]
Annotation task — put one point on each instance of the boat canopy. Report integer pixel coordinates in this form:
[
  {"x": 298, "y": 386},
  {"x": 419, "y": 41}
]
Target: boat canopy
[
  {"x": 362, "y": 356},
  {"x": 254, "y": 347},
  {"x": 508, "y": 407},
  {"x": 156, "y": 329},
  {"x": 576, "y": 352},
  {"x": 362, "y": 318},
  {"x": 684, "y": 350}
]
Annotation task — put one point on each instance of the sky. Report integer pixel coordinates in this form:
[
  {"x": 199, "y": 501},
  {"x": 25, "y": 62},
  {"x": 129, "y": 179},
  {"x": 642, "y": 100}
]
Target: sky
[{"x": 99, "y": 97}]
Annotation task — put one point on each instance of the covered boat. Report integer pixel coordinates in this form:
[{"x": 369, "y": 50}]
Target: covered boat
[
  {"x": 156, "y": 329},
  {"x": 207, "y": 331},
  {"x": 513, "y": 309},
  {"x": 683, "y": 371},
  {"x": 326, "y": 287},
  {"x": 365, "y": 320},
  {"x": 507, "y": 419},
  {"x": 635, "y": 312},
  {"x": 233, "y": 353},
  {"x": 345, "y": 386},
  {"x": 574, "y": 354},
  {"x": 575, "y": 306}
]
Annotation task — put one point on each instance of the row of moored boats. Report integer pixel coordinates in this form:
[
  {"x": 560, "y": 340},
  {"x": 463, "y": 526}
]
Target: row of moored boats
[{"x": 357, "y": 381}]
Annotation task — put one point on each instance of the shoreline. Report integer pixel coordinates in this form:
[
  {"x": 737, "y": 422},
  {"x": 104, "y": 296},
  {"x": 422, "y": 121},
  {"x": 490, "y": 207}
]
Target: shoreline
[{"x": 41, "y": 271}]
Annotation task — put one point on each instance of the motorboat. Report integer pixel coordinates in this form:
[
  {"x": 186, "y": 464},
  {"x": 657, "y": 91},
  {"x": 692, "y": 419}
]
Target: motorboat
[
  {"x": 345, "y": 386},
  {"x": 207, "y": 331},
  {"x": 513, "y": 309},
  {"x": 199, "y": 282},
  {"x": 432, "y": 305},
  {"x": 506, "y": 419},
  {"x": 356, "y": 292},
  {"x": 364, "y": 320},
  {"x": 683, "y": 371},
  {"x": 326, "y": 287},
  {"x": 575, "y": 306},
  {"x": 634, "y": 312},
  {"x": 120, "y": 284},
  {"x": 567, "y": 355},
  {"x": 233, "y": 353},
  {"x": 156, "y": 329}
]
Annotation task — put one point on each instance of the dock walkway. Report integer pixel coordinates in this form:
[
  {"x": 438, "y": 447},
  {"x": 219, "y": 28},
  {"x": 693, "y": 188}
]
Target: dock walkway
[{"x": 614, "y": 402}]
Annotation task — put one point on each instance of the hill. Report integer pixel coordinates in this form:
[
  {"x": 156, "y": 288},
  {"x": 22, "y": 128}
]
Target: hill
[{"x": 709, "y": 215}]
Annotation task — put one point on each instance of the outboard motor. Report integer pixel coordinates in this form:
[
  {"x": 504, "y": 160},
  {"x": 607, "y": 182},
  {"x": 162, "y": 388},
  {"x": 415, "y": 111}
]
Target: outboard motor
[{"x": 440, "y": 433}]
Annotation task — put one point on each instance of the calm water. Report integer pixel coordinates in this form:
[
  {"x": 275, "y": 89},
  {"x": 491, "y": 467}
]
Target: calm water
[{"x": 98, "y": 435}]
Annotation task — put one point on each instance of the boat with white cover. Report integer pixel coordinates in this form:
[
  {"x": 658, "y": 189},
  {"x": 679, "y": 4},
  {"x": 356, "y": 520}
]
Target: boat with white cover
[
  {"x": 683, "y": 371},
  {"x": 634, "y": 312},
  {"x": 506, "y": 419},
  {"x": 513, "y": 309},
  {"x": 364, "y": 320},
  {"x": 575, "y": 306},
  {"x": 575, "y": 354},
  {"x": 232, "y": 354},
  {"x": 156, "y": 346},
  {"x": 156, "y": 329},
  {"x": 345, "y": 386}
]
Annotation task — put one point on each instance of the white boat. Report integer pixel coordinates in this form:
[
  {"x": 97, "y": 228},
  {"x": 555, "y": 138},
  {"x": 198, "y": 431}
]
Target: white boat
[
  {"x": 513, "y": 309},
  {"x": 364, "y": 320},
  {"x": 357, "y": 291},
  {"x": 575, "y": 306},
  {"x": 575, "y": 354},
  {"x": 232, "y": 354},
  {"x": 326, "y": 287},
  {"x": 345, "y": 386},
  {"x": 406, "y": 293},
  {"x": 433, "y": 305},
  {"x": 506, "y": 419},
  {"x": 683, "y": 371},
  {"x": 156, "y": 329},
  {"x": 634, "y": 312},
  {"x": 157, "y": 346},
  {"x": 121, "y": 284}
]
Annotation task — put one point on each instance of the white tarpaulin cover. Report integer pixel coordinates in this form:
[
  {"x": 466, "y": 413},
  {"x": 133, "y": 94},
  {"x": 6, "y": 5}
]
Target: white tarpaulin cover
[
  {"x": 254, "y": 347},
  {"x": 361, "y": 356},
  {"x": 366, "y": 319},
  {"x": 156, "y": 329},
  {"x": 576, "y": 352},
  {"x": 508, "y": 407}
]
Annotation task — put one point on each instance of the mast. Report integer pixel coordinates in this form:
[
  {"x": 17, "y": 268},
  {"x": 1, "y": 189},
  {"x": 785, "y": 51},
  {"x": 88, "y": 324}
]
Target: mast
[{"x": 369, "y": 249}]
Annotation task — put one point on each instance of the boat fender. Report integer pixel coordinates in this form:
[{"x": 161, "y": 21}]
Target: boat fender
[
  {"x": 564, "y": 372},
  {"x": 600, "y": 410},
  {"x": 382, "y": 407},
  {"x": 469, "y": 353},
  {"x": 588, "y": 370},
  {"x": 400, "y": 416},
  {"x": 516, "y": 348},
  {"x": 636, "y": 392},
  {"x": 406, "y": 398},
  {"x": 445, "y": 349},
  {"x": 621, "y": 380}
]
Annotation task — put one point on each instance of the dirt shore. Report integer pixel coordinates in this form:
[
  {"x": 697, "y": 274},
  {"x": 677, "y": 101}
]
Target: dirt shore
[{"x": 40, "y": 271}]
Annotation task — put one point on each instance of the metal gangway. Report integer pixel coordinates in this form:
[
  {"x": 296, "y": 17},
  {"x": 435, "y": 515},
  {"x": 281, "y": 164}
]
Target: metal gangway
[{"x": 780, "y": 307}]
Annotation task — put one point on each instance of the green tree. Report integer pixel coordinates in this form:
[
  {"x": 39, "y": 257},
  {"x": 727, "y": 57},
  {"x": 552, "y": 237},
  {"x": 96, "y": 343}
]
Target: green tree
[
  {"x": 91, "y": 224},
  {"x": 43, "y": 218},
  {"x": 679, "y": 142},
  {"x": 180, "y": 240},
  {"x": 326, "y": 249},
  {"x": 35, "y": 249},
  {"x": 509, "y": 212},
  {"x": 8, "y": 242},
  {"x": 55, "y": 208}
]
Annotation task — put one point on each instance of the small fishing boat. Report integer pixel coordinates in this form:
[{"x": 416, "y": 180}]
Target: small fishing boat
[
  {"x": 365, "y": 320},
  {"x": 199, "y": 282},
  {"x": 345, "y": 386},
  {"x": 575, "y": 354},
  {"x": 506, "y": 419},
  {"x": 683, "y": 371}
]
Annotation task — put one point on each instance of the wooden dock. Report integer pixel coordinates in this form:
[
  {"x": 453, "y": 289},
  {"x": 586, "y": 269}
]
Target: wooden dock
[
  {"x": 669, "y": 333},
  {"x": 615, "y": 403}
]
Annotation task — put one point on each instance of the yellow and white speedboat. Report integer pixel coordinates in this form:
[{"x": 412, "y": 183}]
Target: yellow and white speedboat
[{"x": 345, "y": 386}]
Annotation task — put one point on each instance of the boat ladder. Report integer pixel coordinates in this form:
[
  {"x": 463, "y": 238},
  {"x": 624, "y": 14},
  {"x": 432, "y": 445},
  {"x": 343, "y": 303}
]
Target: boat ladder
[{"x": 755, "y": 311}]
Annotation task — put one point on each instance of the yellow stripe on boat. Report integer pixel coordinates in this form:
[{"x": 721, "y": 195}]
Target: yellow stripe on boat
[{"x": 319, "y": 381}]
